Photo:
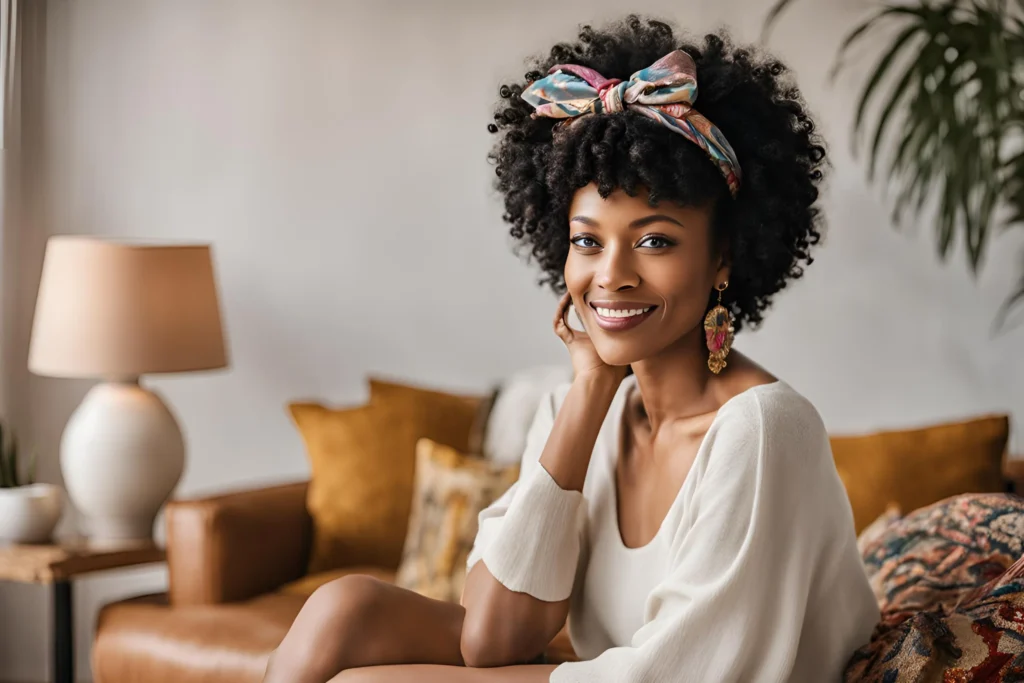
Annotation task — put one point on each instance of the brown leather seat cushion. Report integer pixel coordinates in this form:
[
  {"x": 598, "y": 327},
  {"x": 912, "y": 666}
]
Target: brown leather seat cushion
[{"x": 144, "y": 639}]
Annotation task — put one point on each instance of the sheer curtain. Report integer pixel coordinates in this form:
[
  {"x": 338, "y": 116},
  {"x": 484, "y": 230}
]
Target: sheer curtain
[
  {"x": 8, "y": 62},
  {"x": 10, "y": 126}
]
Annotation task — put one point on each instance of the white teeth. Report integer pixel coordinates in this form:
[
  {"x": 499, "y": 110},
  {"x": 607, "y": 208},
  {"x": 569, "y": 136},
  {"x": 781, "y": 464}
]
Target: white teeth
[{"x": 610, "y": 313}]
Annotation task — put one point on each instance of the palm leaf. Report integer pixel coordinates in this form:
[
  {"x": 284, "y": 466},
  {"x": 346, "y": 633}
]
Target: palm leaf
[
  {"x": 899, "y": 93},
  {"x": 1012, "y": 187},
  {"x": 12, "y": 459},
  {"x": 773, "y": 14},
  {"x": 912, "y": 163},
  {"x": 948, "y": 91},
  {"x": 9, "y": 457},
  {"x": 1014, "y": 300},
  {"x": 861, "y": 30},
  {"x": 31, "y": 477},
  {"x": 947, "y": 215},
  {"x": 955, "y": 51}
]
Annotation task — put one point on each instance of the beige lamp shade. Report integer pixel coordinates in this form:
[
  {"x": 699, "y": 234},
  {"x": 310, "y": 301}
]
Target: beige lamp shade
[{"x": 116, "y": 310}]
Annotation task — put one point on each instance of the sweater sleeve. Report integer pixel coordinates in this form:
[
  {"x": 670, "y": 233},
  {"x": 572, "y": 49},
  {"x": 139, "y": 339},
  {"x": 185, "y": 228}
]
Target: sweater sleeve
[
  {"x": 731, "y": 607},
  {"x": 530, "y": 539}
]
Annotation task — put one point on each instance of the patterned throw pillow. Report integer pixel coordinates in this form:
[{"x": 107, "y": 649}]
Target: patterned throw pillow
[
  {"x": 872, "y": 532},
  {"x": 450, "y": 491},
  {"x": 950, "y": 583}
]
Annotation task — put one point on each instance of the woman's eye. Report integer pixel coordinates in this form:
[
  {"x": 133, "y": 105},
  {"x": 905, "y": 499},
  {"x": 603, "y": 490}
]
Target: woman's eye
[
  {"x": 585, "y": 242},
  {"x": 655, "y": 242}
]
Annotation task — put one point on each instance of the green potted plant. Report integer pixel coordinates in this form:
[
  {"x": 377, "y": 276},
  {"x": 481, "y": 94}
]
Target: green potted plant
[
  {"x": 28, "y": 511},
  {"x": 945, "y": 110}
]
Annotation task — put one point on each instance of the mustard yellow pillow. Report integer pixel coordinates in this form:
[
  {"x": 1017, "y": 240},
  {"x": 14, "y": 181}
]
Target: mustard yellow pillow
[
  {"x": 460, "y": 411},
  {"x": 363, "y": 463},
  {"x": 917, "y": 467},
  {"x": 451, "y": 489}
]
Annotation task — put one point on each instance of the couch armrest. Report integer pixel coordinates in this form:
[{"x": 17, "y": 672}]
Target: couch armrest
[{"x": 237, "y": 545}]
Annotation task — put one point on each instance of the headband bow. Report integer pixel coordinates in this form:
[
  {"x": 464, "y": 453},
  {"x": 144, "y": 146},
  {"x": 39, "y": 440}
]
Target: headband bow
[{"x": 665, "y": 91}]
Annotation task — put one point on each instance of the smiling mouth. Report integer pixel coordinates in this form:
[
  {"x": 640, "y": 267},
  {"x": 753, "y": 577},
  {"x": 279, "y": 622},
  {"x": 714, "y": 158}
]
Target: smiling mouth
[{"x": 619, "y": 317}]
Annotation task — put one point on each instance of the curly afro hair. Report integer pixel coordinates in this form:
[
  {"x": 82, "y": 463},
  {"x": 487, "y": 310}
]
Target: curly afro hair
[{"x": 767, "y": 229}]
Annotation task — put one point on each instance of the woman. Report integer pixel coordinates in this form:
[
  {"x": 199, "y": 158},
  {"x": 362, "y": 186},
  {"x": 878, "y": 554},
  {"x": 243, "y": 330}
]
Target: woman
[{"x": 688, "y": 518}]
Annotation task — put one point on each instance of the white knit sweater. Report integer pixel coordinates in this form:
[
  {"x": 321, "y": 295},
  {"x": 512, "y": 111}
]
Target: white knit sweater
[{"x": 754, "y": 575}]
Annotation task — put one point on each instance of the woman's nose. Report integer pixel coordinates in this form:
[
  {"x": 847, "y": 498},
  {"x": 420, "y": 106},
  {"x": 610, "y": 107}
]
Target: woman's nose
[{"x": 616, "y": 271}]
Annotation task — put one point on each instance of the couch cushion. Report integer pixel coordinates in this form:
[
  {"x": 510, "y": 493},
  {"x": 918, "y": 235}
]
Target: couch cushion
[
  {"x": 144, "y": 639},
  {"x": 513, "y": 410},
  {"x": 918, "y": 467},
  {"x": 363, "y": 463}
]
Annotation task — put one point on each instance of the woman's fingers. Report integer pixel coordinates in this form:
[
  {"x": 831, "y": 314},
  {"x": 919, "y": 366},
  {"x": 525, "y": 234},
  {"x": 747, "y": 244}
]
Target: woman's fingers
[
  {"x": 563, "y": 307},
  {"x": 561, "y": 325}
]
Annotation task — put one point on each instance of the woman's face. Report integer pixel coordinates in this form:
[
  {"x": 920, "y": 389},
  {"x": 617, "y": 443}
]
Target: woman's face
[{"x": 639, "y": 276}]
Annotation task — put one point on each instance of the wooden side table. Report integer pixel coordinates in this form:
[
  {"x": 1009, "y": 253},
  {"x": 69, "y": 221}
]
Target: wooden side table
[{"x": 57, "y": 565}]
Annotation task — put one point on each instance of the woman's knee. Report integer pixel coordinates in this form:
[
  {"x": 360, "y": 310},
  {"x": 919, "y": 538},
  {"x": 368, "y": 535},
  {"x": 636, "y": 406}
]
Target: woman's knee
[
  {"x": 339, "y": 613},
  {"x": 330, "y": 631},
  {"x": 347, "y": 601}
]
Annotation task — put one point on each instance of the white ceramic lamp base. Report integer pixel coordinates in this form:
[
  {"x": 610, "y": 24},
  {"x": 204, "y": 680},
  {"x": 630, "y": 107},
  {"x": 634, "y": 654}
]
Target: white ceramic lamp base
[{"x": 122, "y": 454}]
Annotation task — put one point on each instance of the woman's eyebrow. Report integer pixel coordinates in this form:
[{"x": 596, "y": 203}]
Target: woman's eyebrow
[
  {"x": 638, "y": 223},
  {"x": 654, "y": 218}
]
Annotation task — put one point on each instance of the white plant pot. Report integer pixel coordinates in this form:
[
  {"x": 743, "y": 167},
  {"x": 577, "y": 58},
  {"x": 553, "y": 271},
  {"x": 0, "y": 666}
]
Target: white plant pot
[
  {"x": 122, "y": 453},
  {"x": 28, "y": 514}
]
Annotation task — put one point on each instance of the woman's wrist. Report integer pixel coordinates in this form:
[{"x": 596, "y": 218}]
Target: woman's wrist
[{"x": 601, "y": 383}]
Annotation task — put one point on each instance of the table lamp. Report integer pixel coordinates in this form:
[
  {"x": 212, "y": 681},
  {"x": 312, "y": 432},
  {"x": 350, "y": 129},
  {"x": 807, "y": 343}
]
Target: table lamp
[{"x": 114, "y": 311}]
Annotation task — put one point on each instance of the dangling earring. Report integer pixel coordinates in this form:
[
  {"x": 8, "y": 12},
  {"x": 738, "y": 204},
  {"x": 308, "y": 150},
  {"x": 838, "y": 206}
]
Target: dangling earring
[{"x": 718, "y": 332}]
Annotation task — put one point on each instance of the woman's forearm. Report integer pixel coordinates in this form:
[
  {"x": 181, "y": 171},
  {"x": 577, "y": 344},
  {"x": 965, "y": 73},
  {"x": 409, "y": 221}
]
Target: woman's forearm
[
  {"x": 509, "y": 622},
  {"x": 566, "y": 455},
  {"x": 429, "y": 673}
]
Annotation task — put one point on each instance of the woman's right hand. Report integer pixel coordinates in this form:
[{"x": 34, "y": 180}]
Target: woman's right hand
[{"x": 585, "y": 359}]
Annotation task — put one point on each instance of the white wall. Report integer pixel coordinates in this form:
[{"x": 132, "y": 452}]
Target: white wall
[{"x": 334, "y": 154}]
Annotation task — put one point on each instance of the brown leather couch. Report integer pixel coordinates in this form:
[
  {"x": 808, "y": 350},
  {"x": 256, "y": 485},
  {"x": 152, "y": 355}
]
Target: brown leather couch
[
  {"x": 237, "y": 579},
  {"x": 237, "y": 566}
]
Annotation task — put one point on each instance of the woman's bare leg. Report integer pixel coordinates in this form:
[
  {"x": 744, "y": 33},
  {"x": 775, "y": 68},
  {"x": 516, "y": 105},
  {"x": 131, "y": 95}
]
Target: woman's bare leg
[
  {"x": 358, "y": 621},
  {"x": 432, "y": 673}
]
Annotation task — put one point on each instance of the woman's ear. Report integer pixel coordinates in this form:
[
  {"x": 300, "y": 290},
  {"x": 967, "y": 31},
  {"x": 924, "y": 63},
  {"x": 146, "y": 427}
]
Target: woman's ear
[
  {"x": 723, "y": 275},
  {"x": 724, "y": 269}
]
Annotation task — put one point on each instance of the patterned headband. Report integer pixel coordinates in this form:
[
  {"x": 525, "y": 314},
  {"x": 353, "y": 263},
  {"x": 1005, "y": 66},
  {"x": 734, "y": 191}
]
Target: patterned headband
[{"x": 665, "y": 91}]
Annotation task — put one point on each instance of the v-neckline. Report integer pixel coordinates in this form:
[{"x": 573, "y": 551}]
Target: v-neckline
[{"x": 618, "y": 452}]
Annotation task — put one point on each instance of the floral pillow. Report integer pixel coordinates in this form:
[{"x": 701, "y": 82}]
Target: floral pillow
[
  {"x": 949, "y": 579},
  {"x": 872, "y": 532},
  {"x": 450, "y": 491}
]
